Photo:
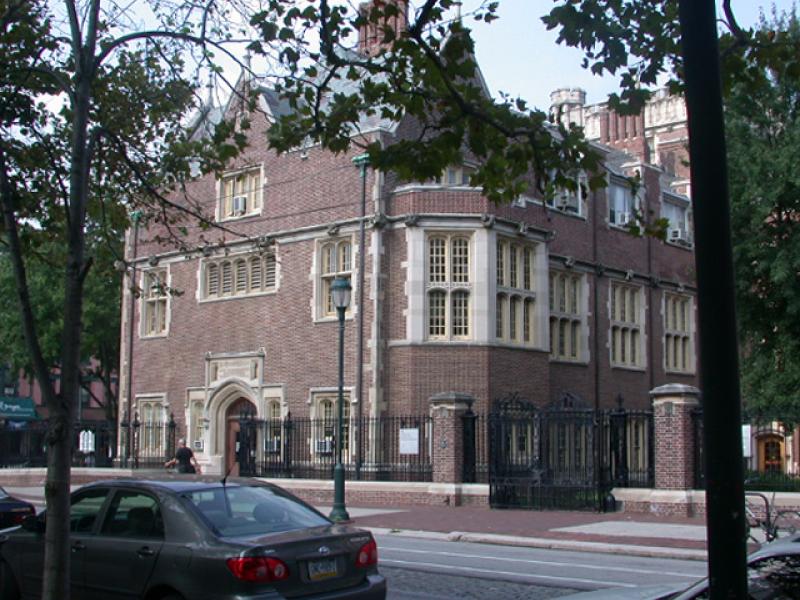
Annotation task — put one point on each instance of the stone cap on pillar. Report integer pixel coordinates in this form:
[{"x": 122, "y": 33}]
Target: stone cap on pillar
[
  {"x": 675, "y": 392},
  {"x": 451, "y": 401}
]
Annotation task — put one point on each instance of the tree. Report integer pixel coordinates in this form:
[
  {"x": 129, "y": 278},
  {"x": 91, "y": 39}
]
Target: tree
[
  {"x": 100, "y": 348},
  {"x": 92, "y": 125},
  {"x": 763, "y": 132}
]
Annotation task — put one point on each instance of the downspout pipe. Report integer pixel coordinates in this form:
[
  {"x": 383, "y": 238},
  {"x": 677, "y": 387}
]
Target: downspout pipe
[{"x": 362, "y": 162}]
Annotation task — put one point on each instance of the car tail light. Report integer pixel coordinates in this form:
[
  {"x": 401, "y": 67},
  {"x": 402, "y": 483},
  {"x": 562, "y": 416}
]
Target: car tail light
[
  {"x": 17, "y": 517},
  {"x": 368, "y": 555},
  {"x": 258, "y": 569}
]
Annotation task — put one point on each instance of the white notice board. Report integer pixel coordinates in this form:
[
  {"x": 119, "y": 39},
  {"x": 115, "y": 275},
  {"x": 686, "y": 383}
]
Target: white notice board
[{"x": 409, "y": 441}]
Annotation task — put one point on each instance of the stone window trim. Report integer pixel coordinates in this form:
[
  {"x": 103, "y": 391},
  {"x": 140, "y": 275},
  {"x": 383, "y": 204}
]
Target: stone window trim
[
  {"x": 238, "y": 276},
  {"x": 345, "y": 256},
  {"x": 679, "y": 333},
  {"x": 626, "y": 332},
  {"x": 323, "y": 411},
  {"x": 448, "y": 281},
  {"x": 567, "y": 301},
  {"x": 515, "y": 297},
  {"x": 252, "y": 193},
  {"x": 154, "y": 303}
]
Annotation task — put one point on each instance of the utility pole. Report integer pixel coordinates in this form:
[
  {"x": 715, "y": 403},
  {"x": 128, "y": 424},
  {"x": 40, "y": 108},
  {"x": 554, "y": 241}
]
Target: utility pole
[{"x": 719, "y": 361}]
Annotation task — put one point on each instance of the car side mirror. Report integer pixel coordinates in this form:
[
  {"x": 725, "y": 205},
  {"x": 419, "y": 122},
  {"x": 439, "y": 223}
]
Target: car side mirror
[{"x": 34, "y": 523}]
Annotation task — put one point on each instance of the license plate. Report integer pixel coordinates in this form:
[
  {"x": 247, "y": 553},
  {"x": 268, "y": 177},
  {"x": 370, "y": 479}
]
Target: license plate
[{"x": 321, "y": 569}]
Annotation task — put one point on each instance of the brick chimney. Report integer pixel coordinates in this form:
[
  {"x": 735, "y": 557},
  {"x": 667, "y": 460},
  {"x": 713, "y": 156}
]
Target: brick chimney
[{"x": 370, "y": 35}]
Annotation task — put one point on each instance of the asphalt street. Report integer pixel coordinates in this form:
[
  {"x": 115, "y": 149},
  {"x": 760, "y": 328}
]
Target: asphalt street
[{"x": 427, "y": 569}]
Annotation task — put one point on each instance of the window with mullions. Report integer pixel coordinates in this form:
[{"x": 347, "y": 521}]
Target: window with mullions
[
  {"x": 154, "y": 302},
  {"x": 678, "y": 330},
  {"x": 335, "y": 259},
  {"x": 566, "y": 316},
  {"x": 515, "y": 300},
  {"x": 325, "y": 425},
  {"x": 240, "y": 276},
  {"x": 454, "y": 176},
  {"x": 240, "y": 194},
  {"x": 448, "y": 286},
  {"x": 626, "y": 325},
  {"x": 272, "y": 441},
  {"x": 152, "y": 429}
]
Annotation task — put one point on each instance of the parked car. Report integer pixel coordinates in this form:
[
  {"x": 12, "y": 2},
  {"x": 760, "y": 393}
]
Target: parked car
[
  {"x": 773, "y": 573},
  {"x": 195, "y": 539},
  {"x": 13, "y": 510}
]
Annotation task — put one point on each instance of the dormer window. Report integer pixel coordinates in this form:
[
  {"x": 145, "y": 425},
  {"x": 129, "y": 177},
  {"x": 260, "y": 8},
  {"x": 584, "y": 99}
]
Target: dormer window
[
  {"x": 622, "y": 203},
  {"x": 240, "y": 193},
  {"x": 570, "y": 201},
  {"x": 676, "y": 210}
]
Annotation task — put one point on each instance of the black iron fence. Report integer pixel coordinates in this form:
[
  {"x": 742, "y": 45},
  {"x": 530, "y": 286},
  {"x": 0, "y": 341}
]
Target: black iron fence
[
  {"x": 565, "y": 455},
  {"x": 388, "y": 448},
  {"x": 147, "y": 445},
  {"x": 627, "y": 452},
  {"x": 93, "y": 445}
]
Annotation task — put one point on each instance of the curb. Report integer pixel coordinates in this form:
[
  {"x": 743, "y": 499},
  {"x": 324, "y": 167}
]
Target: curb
[{"x": 551, "y": 544}]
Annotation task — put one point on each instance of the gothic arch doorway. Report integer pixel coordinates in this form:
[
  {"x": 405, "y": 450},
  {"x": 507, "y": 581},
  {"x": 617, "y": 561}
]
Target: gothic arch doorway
[{"x": 232, "y": 433}]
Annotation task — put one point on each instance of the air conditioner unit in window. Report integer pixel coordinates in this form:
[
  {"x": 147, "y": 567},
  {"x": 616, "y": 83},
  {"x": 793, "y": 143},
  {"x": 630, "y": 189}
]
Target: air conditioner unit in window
[
  {"x": 239, "y": 204},
  {"x": 624, "y": 218},
  {"x": 677, "y": 235},
  {"x": 324, "y": 446},
  {"x": 272, "y": 446}
]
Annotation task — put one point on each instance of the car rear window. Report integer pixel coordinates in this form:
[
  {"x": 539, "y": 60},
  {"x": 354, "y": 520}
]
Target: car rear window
[{"x": 246, "y": 511}]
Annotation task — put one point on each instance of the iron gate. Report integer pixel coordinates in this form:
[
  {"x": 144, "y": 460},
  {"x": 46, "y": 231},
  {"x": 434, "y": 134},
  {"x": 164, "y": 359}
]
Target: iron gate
[{"x": 565, "y": 455}]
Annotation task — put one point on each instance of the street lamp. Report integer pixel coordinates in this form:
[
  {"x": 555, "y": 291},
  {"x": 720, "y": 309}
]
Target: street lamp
[
  {"x": 340, "y": 292},
  {"x": 136, "y": 216}
]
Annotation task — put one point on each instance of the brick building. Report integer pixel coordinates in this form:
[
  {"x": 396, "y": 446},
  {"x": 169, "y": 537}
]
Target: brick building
[{"x": 458, "y": 294}]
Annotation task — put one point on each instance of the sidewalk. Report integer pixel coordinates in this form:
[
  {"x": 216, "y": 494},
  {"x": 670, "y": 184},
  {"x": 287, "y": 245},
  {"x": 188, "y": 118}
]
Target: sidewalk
[{"x": 617, "y": 533}]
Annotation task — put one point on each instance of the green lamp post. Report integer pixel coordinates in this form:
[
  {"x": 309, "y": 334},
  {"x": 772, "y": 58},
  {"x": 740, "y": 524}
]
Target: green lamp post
[{"x": 340, "y": 292}]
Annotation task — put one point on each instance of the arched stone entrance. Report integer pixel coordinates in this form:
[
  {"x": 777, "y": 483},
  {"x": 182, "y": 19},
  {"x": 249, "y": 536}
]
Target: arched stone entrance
[{"x": 232, "y": 416}]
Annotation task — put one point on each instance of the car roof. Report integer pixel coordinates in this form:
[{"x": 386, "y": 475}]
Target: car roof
[
  {"x": 179, "y": 484},
  {"x": 782, "y": 546}
]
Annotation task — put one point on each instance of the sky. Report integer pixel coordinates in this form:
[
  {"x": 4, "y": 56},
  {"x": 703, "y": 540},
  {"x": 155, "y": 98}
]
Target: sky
[{"x": 519, "y": 56}]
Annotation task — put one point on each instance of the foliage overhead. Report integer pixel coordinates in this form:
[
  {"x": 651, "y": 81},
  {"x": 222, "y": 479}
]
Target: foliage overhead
[{"x": 763, "y": 134}]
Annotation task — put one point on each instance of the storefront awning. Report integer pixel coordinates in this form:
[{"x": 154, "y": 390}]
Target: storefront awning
[{"x": 15, "y": 408}]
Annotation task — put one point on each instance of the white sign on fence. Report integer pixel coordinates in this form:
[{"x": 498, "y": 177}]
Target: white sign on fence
[
  {"x": 747, "y": 449},
  {"x": 409, "y": 441}
]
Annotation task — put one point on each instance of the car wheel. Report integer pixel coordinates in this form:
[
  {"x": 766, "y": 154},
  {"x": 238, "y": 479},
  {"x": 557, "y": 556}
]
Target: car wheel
[{"x": 8, "y": 585}]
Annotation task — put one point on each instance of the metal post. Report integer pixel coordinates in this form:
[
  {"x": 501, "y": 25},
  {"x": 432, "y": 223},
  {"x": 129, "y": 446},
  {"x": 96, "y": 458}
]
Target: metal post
[
  {"x": 719, "y": 365},
  {"x": 136, "y": 216},
  {"x": 339, "y": 512}
]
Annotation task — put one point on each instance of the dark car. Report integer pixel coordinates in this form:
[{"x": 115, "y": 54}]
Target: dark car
[
  {"x": 195, "y": 539},
  {"x": 13, "y": 510},
  {"x": 773, "y": 573}
]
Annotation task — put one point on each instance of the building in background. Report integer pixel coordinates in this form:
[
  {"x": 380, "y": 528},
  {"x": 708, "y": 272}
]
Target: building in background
[{"x": 552, "y": 300}]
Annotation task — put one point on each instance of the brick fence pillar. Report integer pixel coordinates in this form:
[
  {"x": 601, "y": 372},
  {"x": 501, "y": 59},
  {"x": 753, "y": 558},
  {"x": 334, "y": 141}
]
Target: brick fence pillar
[
  {"x": 447, "y": 410},
  {"x": 674, "y": 435}
]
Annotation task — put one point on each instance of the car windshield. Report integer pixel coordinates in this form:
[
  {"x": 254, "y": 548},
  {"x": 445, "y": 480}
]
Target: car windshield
[
  {"x": 235, "y": 511},
  {"x": 3, "y": 493}
]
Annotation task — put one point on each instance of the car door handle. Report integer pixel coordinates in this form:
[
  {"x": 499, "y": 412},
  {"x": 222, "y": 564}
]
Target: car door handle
[
  {"x": 145, "y": 551},
  {"x": 78, "y": 546}
]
